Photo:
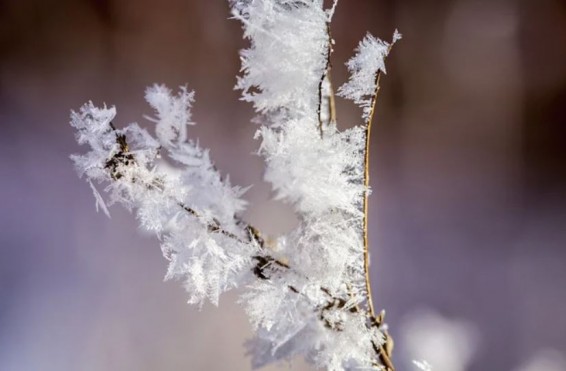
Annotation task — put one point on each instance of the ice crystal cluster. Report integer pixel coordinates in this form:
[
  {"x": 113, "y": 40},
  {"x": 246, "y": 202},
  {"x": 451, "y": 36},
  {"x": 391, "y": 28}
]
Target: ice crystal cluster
[{"x": 305, "y": 292}]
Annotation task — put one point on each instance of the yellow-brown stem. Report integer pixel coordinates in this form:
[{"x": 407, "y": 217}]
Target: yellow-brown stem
[
  {"x": 331, "y": 99},
  {"x": 365, "y": 202}
]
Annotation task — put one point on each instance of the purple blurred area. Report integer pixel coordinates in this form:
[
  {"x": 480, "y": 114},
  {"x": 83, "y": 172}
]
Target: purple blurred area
[{"x": 468, "y": 212}]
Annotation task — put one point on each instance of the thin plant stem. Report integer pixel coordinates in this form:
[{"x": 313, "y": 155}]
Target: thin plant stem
[
  {"x": 386, "y": 349},
  {"x": 366, "y": 195}
]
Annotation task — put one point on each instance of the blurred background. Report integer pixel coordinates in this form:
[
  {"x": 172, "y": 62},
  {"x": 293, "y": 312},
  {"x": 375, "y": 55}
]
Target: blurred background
[{"x": 468, "y": 212}]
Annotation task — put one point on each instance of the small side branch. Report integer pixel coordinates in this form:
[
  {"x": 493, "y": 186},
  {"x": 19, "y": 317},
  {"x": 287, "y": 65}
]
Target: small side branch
[
  {"x": 385, "y": 350},
  {"x": 366, "y": 195}
]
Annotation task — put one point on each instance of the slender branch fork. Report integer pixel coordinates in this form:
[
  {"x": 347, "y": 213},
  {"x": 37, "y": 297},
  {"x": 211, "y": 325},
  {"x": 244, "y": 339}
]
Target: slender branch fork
[
  {"x": 368, "y": 124},
  {"x": 386, "y": 350},
  {"x": 366, "y": 194}
]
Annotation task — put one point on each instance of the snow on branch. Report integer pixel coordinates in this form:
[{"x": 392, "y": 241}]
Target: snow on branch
[
  {"x": 306, "y": 292},
  {"x": 169, "y": 202},
  {"x": 315, "y": 175},
  {"x": 287, "y": 56},
  {"x": 365, "y": 68}
]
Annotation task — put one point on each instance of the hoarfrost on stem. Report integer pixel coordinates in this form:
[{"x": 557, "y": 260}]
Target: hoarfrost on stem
[
  {"x": 364, "y": 68},
  {"x": 287, "y": 56},
  {"x": 181, "y": 205},
  {"x": 305, "y": 293}
]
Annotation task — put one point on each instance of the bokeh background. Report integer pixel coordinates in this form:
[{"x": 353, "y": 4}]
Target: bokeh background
[{"x": 468, "y": 213}]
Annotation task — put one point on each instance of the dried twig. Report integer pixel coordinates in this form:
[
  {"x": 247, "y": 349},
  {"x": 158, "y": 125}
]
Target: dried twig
[
  {"x": 384, "y": 351},
  {"x": 365, "y": 202}
]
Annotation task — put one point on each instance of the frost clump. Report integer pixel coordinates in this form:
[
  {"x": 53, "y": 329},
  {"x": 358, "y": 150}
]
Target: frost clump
[
  {"x": 313, "y": 173},
  {"x": 287, "y": 56},
  {"x": 365, "y": 68}
]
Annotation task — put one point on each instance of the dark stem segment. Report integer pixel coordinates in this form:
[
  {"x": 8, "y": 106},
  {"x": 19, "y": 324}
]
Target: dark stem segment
[{"x": 326, "y": 75}]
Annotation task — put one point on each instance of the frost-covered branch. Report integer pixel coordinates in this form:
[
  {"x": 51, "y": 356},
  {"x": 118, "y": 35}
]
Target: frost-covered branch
[
  {"x": 366, "y": 68},
  {"x": 307, "y": 292},
  {"x": 167, "y": 201},
  {"x": 137, "y": 182}
]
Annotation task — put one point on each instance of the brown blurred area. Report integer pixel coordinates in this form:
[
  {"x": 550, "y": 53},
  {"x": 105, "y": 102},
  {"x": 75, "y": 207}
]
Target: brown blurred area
[{"x": 468, "y": 212}]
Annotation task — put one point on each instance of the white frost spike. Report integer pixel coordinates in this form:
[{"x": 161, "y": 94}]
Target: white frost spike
[
  {"x": 396, "y": 37},
  {"x": 332, "y": 9},
  {"x": 173, "y": 113},
  {"x": 364, "y": 67},
  {"x": 100, "y": 204}
]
